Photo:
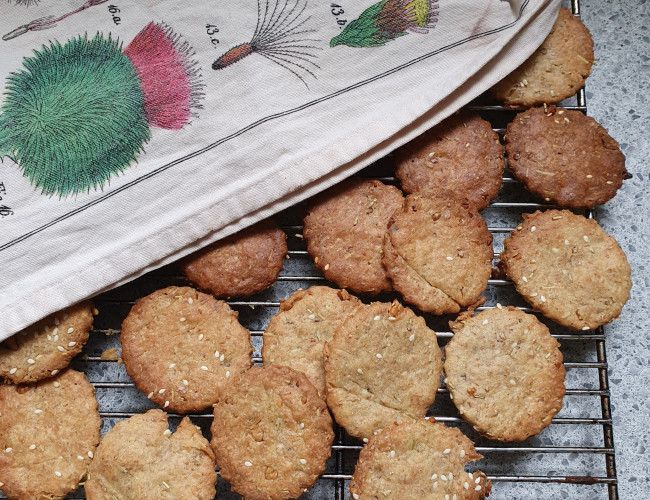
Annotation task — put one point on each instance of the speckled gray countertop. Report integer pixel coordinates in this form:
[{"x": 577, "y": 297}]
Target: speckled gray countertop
[{"x": 618, "y": 96}]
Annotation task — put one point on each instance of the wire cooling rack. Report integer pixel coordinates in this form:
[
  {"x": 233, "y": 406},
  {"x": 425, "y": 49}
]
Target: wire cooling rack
[{"x": 573, "y": 458}]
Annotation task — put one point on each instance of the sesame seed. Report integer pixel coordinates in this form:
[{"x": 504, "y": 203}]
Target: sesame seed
[
  {"x": 542, "y": 298},
  {"x": 201, "y": 337},
  {"x": 55, "y": 338},
  {"x": 589, "y": 176},
  {"x": 534, "y": 294},
  {"x": 470, "y": 475},
  {"x": 312, "y": 316},
  {"x": 38, "y": 411},
  {"x": 79, "y": 457},
  {"x": 548, "y": 355},
  {"x": 412, "y": 337},
  {"x": 377, "y": 318},
  {"x": 585, "y": 328},
  {"x": 391, "y": 318},
  {"x": 150, "y": 395},
  {"x": 303, "y": 461},
  {"x": 467, "y": 144},
  {"x": 477, "y": 480},
  {"x": 30, "y": 361},
  {"x": 499, "y": 306},
  {"x": 190, "y": 300},
  {"x": 532, "y": 229},
  {"x": 166, "y": 404},
  {"x": 359, "y": 370},
  {"x": 392, "y": 453},
  {"x": 167, "y": 433},
  {"x": 355, "y": 496},
  {"x": 222, "y": 357},
  {"x": 454, "y": 497},
  {"x": 56, "y": 321},
  {"x": 379, "y": 356},
  {"x": 216, "y": 354},
  {"x": 485, "y": 321},
  {"x": 248, "y": 464},
  {"x": 182, "y": 319},
  {"x": 54, "y": 372},
  {"x": 60, "y": 348},
  {"x": 586, "y": 238},
  {"x": 610, "y": 182},
  {"x": 365, "y": 440},
  {"x": 162, "y": 391},
  {"x": 204, "y": 368},
  {"x": 8, "y": 450},
  {"x": 447, "y": 451},
  {"x": 327, "y": 266},
  {"x": 447, "y": 497},
  {"x": 462, "y": 453},
  {"x": 185, "y": 382},
  {"x": 70, "y": 330},
  {"x": 172, "y": 365},
  {"x": 227, "y": 374},
  {"x": 478, "y": 488},
  {"x": 49, "y": 337},
  {"x": 449, "y": 258},
  {"x": 512, "y": 382},
  {"x": 451, "y": 476},
  {"x": 302, "y": 426},
  {"x": 90, "y": 454},
  {"x": 524, "y": 279},
  {"x": 165, "y": 485},
  {"x": 12, "y": 371},
  {"x": 435, "y": 485},
  {"x": 72, "y": 344},
  {"x": 57, "y": 473},
  {"x": 443, "y": 477},
  {"x": 32, "y": 447}
]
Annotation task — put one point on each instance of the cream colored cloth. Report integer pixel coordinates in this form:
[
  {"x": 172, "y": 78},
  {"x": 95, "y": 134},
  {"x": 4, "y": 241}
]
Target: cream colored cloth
[{"x": 302, "y": 111}]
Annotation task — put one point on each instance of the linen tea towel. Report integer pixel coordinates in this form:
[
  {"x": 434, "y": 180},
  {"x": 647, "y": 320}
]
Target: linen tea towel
[{"x": 135, "y": 132}]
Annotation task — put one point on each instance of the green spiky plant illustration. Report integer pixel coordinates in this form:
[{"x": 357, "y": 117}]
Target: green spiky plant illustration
[
  {"x": 80, "y": 113},
  {"x": 387, "y": 20}
]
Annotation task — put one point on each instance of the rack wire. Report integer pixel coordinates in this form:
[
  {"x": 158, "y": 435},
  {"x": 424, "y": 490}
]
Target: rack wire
[{"x": 573, "y": 458}]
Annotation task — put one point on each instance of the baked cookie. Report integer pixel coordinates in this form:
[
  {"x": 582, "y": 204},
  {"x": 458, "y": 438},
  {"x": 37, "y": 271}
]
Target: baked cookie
[
  {"x": 565, "y": 157},
  {"x": 182, "y": 348},
  {"x": 423, "y": 459},
  {"x": 49, "y": 432},
  {"x": 555, "y": 71},
  {"x": 344, "y": 229},
  {"x": 44, "y": 348},
  {"x": 306, "y": 320},
  {"x": 504, "y": 372},
  {"x": 568, "y": 268},
  {"x": 240, "y": 265},
  {"x": 462, "y": 155},
  {"x": 141, "y": 458},
  {"x": 271, "y": 434},
  {"x": 382, "y": 366},
  {"x": 438, "y": 254}
]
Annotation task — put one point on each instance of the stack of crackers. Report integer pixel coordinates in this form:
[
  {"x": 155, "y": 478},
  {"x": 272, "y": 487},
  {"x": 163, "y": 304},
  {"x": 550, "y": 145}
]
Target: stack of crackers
[{"x": 373, "y": 366}]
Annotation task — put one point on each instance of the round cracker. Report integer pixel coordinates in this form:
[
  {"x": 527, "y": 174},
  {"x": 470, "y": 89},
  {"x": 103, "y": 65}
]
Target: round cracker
[
  {"x": 438, "y": 254},
  {"x": 49, "y": 432},
  {"x": 271, "y": 434},
  {"x": 565, "y": 157},
  {"x": 555, "y": 71},
  {"x": 382, "y": 366},
  {"x": 46, "y": 347},
  {"x": 306, "y": 320},
  {"x": 424, "y": 460},
  {"x": 462, "y": 155},
  {"x": 183, "y": 347},
  {"x": 240, "y": 265},
  {"x": 567, "y": 267},
  {"x": 504, "y": 372},
  {"x": 344, "y": 229},
  {"x": 141, "y": 458}
]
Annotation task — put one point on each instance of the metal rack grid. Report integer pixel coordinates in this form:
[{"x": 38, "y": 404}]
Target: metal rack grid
[{"x": 573, "y": 458}]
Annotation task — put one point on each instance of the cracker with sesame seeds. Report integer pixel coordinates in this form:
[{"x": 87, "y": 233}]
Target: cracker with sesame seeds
[
  {"x": 183, "y": 348},
  {"x": 49, "y": 432},
  {"x": 504, "y": 373},
  {"x": 423, "y": 459},
  {"x": 271, "y": 434},
  {"x": 438, "y": 254},
  {"x": 240, "y": 265},
  {"x": 382, "y": 366},
  {"x": 43, "y": 349},
  {"x": 344, "y": 228},
  {"x": 141, "y": 458},
  {"x": 306, "y": 320},
  {"x": 567, "y": 267},
  {"x": 462, "y": 155},
  {"x": 555, "y": 71},
  {"x": 565, "y": 157}
]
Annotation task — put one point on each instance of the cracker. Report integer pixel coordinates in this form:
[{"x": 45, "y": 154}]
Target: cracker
[
  {"x": 462, "y": 155},
  {"x": 271, "y": 434},
  {"x": 306, "y": 320},
  {"x": 382, "y": 366},
  {"x": 555, "y": 71},
  {"x": 504, "y": 372},
  {"x": 424, "y": 460},
  {"x": 438, "y": 254},
  {"x": 344, "y": 229},
  {"x": 46, "y": 347},
  {"x": 567, "y": 267},
  {"x": 49, "y": 432},
  {"x": 565, "y": 157},
  {"x": 183, "y": 347},
  {"x": 240, "y": 265},
  {"x": 141, "y": 458}
]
